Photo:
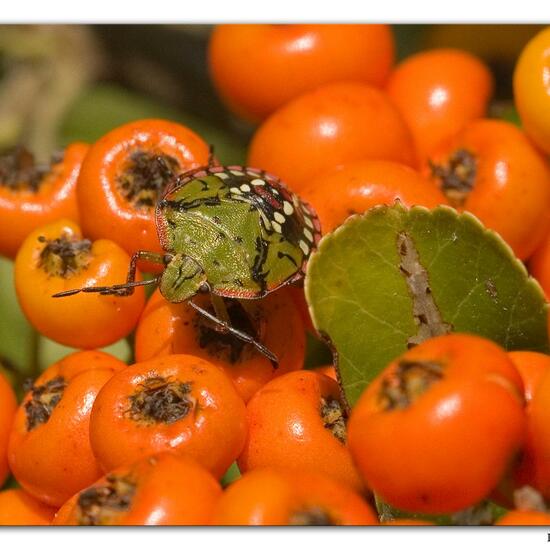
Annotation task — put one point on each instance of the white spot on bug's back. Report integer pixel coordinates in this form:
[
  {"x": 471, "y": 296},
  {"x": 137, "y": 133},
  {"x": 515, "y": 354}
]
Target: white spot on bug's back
[
  {"x": 308, "y": 221},
  {"x": 222, "y": 175},
  {"x": 237, "y": 172},
  {"x": 235, "y": 190},
  {"x": 245, "y": 188},
  {"x": 265, "y": 219},
  {"x": 258, "y": 181},
  {"x": 277, "y": 227},
  {"x": 308, "y": 234},
  {"x": 288, "y": 208},
  {"x": 304, "y": 247},
  {"x": 279, "y": 217}
]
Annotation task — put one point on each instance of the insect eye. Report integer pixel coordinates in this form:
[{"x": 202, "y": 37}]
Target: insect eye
[{"x": 204, "y": 288}]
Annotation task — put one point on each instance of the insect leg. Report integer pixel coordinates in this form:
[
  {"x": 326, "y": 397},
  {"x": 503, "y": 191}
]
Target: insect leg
[
  {"x": 142, "y": 255},
  {"x": 220, "y": 308},
  {"x": 127, "y": 288},
  {"x": 248, "y": 308},
  {"x": 224, "y": 326}
]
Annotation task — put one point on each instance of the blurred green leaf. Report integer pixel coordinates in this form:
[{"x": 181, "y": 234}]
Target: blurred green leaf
[
  {"x": 505, "y": 110},
  {"x": 106, "y": 106},
  {"x": 233, "y": 473},
  {"x": 16, "y": 334},
  {"x": 10, "y": 483},
  {"x": 21, "y": 348},
  {"x": 484, "y": 513},
  {"x": 317, "y": 353}
]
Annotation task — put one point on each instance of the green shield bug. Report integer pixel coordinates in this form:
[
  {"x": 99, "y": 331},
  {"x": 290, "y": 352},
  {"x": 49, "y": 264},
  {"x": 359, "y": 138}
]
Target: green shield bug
[{"x": 232, "y": 231}]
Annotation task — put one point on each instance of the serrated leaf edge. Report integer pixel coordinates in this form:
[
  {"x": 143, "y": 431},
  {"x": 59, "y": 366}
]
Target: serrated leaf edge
[{"x": 356, "y": 218}]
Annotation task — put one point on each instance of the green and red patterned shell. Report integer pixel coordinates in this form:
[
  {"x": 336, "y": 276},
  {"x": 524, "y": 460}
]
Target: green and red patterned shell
[{"x": 242, "y": 226}]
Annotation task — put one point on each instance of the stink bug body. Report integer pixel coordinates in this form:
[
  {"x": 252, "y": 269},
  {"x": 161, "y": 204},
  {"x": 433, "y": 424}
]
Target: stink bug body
[{"x": 232, "y": 231}]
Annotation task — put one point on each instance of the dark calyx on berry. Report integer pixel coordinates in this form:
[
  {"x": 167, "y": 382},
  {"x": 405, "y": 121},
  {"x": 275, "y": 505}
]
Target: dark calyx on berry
[
  {"x": 145, "y": 177},
  {"x": 334, "y": 417},
  {"x": 43, "y": 401},
  {"x": 19, "y": 171},
  {"x": 457, "y": 177},
  {"x": 64, "y": 256},
  {"x": 410, "y": 380},
  {"x": 101, "y": 505},
  {"x": 312, "y": 515},
  {"x": 161, "y": 400}
]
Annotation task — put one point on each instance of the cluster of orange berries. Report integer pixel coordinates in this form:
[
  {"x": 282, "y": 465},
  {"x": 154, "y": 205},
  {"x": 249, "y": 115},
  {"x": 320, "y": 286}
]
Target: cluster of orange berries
[{"x": 452, "y": 422}]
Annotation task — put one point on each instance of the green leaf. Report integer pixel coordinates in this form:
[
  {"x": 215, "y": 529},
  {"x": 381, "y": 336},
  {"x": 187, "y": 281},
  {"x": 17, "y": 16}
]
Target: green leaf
[
  {"x": 233, "y": 473},
  {"x": 387, "y": 513},
  {"x": 50, "y": 352},
  {"x": 370, "y": 311},
  {"x": 10, "y": 483},
  {"x": 16, "y": 334},
  {"x": 485, "y": 512},
  {"x": 317, "y": 353},
  {"x": 505, "y": 110}
]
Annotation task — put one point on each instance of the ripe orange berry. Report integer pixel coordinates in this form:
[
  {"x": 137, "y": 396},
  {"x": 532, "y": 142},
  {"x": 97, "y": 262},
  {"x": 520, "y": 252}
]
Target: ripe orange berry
[
  {"x": 299, "y": 421},
  {"x": 290, "y": 497},
  {"x": 527, "y": 517},
  {"x": 436, "y": 431},
  {"x": 56, "y": 258},
  {"x": 354, "y": 188},
  {"x": 178, "y": 402},
  {"x": 283, "y": 61},
  {"x": 49, "y": 448},
  {"x": 531, "y": 89},
  {"x": 332, "y": 125},
  {"x": 492, "y": 170},
  {"x": 18, "y": 508},
  {"x": 439, "y": 91},
  {"x": 32, "y": 195},
  {"x": 163, "y": 489},
  {"x": 534, "y": 468}
]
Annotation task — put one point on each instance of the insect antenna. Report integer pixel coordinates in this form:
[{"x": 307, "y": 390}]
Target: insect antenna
[
  {"x": 227, "y": 328},
  {"x": 122, "y": 290}
]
